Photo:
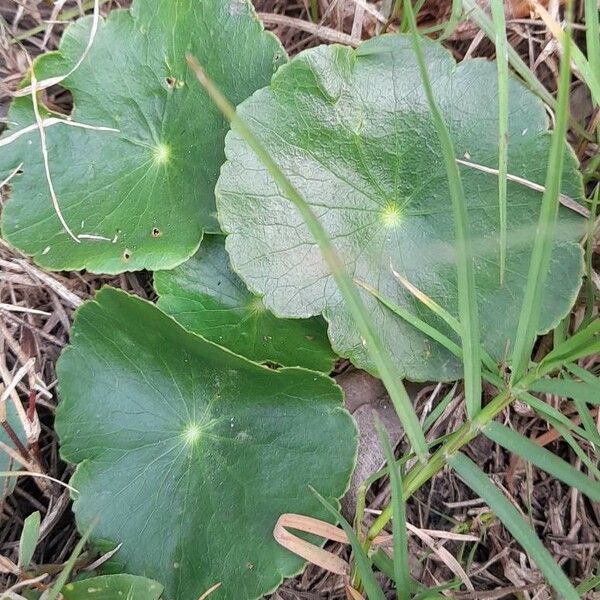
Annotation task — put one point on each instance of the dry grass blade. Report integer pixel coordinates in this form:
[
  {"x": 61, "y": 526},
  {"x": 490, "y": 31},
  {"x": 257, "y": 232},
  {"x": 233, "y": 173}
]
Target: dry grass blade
[
  {"x": 565, "y": 200},
  {"x": 315, "y": 555},
  {"x": 209, "y": 591},
  {"x": 46, "y": 83},
  {"x": 445, "y": 556}
]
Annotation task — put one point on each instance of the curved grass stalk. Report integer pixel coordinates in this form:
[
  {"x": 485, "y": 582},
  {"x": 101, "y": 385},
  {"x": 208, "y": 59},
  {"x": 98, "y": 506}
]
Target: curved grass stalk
[
  {"x": 544, "y": 237},
  {"x": 467, "y": 297},
  {"x": 374, "y": 346},
  {"x": 502, "y": 67}
]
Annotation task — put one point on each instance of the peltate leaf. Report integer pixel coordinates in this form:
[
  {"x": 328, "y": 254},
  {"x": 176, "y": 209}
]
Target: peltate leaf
[
  {"x": 207, "y": 297},
  {"x": 140, "y": 194},
  {"x": 188, "y": 453},
  {"x": 353, "y": 132},
  {"x": 113, "y": 587}
]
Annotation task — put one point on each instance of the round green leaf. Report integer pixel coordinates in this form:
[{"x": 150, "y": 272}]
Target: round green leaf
[
  {"x": 140, "y": 196},
  {"x": 188, "y": 453},
  {"x": 113, "y": 587},
  {"x": 353, "y": 132},
  {"x": 207, "y": 297}
]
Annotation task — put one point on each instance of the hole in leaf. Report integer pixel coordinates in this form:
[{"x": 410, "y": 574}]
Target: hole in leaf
[
  {"x": 155, "y": 232},
  {"x": 58, "y": 99},
  {"x": 170, "y": 81},
  {"x": 126, "y": 255}
]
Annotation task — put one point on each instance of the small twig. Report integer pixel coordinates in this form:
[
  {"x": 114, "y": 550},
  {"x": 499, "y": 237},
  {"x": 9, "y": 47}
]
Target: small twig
[
  {"x": 23, "y": 309},
  {"x": 325, "y": 33},
  {"x": 16, "y": 441},
  {"x": 58, "y": 288}
]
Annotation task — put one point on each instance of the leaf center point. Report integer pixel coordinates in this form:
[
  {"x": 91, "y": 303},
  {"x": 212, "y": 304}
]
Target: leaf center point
[
  {"x": 162, "y": 154},
  {"x": 191, "y": 433},
  {"x": 391, "y": 215}
]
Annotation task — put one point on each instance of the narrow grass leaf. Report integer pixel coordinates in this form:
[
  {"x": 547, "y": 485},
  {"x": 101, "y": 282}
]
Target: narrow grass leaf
[
  {"x": 543, "y": 459},
  {"x": 502, "y": 67},
  {"x": 480, "y": 483},
  {"x": 399, "y": 530},
  {"x": 590, "y": 295},
  {"x": 374, "y": 345},
  {"x": 467, "y": 298},
  {"x": 29, "y": 539},
  {"x": 578, "y": 450},
  {"x": 552, "y": 415},
  {"x": 567, "y": 388},
  {"x": 443, "y": 314},
  {"x": 453, "y": 21},
  {"x": 589, "y": 584},
  {"x": 544, "y": 237},
  {"x": 61, "y": 580},
  {"x": 587, "y": 420},
  {"x": 413, "y": 320},
  {"x": 584, "y": 375},
  {"x": 592, "y": 35},
  {"x": 579, "y": 345},
  {"x": 363, "y": 564}
]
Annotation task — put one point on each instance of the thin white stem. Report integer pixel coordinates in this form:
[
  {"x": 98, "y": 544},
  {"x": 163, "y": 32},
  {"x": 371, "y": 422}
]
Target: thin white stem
[
  {"x": 10, "y": 176},
  {"x": 42, "y": 131},
  {"x": 9, "y": 139}
]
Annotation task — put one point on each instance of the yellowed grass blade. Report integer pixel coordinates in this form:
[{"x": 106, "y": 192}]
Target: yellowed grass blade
[{"x": 315, "y": 555}]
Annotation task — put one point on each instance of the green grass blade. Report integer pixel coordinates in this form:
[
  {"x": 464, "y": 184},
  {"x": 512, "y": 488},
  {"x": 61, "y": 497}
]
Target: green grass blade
[
  {"x": 499, "y": 22},
  {"x": 61, "y": 580},
  {"x": 543, "y": 459},
  {"x": 374, "y": 346},
  {"x": 467, "y": 298},
  {"x": 590, "y": 296},
  {"x": 29, "y": 539},
  {"x": 363, "y": 563},
  {"x": 584, "y": 375},
  {"x": 544, "y": 236},
  {"x": 577, "y": 346},
  {"x": 592, "y": 34},
  {"x": 480, "y": 483},
  {"x": 567, "y": 388},
  {"x": 443, "y": 314},
  {"x": 413, "y": 320},
  {"x": 579, "y": 452},
  {"x": 589, "y": 584},
  {"x": 552, "y": 415},
  {"x": 455, "y": 15},
  {"x": 399, "y": 530},
  {"x": 587, "y": 421}
]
